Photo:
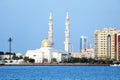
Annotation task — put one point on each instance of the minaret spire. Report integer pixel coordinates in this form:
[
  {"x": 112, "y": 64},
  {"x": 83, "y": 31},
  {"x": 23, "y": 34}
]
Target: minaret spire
[
  {"x": 67, "y": 43},
  {"x": 67, "y": 16},
  {"x": 50, "y": 32},
  {"x": 50, "y": 15}
]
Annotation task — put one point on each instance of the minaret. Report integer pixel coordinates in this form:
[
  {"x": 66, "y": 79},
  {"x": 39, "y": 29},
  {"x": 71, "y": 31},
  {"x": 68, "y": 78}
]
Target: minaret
[
  {"x": 50, "y": 32},
  {"x": 67, "y": 43}
]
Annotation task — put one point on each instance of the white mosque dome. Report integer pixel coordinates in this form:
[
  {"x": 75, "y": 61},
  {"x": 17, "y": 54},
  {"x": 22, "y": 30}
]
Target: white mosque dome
[{"x": 46, "y": 43}]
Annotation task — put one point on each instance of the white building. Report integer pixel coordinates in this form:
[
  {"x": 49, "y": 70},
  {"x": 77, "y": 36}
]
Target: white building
[
  {"x": 7, "y": 56},
  {"x": 19, "y": 54},
  {"x": 89, "y": 53},
  {"x": 47, "y": 53}
]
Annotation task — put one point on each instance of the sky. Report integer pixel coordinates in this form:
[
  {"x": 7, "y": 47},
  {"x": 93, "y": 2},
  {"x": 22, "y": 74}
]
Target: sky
[{"x": 26, "y": 21}]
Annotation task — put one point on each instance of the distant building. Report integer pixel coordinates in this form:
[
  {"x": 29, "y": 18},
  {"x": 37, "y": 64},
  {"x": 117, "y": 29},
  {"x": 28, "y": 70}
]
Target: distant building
[
  {"x": 89, "y": 46},
  {"x": 19, "y": 55},
  {"x": 106, "y": 44},
  {"x": 83, "y": 43},
  {"x": 1, "y": 55},
  {"x": 89, "y": 53},
  {"x": 117, "y": 46},
  {"x": 6, "y": 55}
]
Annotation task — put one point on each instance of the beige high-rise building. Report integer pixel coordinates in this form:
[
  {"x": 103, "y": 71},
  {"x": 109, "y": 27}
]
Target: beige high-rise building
[{"x": 104, "y": 43}]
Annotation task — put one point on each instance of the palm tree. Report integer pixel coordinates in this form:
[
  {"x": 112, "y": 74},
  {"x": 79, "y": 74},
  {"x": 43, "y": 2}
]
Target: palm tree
[{"x": 10, "y": 40}]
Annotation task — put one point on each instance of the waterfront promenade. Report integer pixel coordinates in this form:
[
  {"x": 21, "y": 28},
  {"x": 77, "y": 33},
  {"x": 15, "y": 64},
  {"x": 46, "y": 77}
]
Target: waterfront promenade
[{"x": 56, "y": 64}]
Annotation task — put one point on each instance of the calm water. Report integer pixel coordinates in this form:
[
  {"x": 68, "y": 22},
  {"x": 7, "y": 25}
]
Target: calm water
[{"x": 59, "y": 73}]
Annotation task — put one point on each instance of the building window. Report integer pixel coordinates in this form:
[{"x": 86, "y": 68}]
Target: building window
[{"x": 34, "y": 55}]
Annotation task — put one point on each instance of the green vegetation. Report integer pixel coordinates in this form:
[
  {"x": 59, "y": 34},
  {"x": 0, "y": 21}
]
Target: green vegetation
[
  {"x": 31, "y": 60},
  {"x": 5, "y": 59},
  {"x": 45, "y": 60},
  {"x": 91, "y": 61},
  {"x": 16, "y": 57},
  {"x": 53, "y": 60},
  {"x": 28, "y": 60}
]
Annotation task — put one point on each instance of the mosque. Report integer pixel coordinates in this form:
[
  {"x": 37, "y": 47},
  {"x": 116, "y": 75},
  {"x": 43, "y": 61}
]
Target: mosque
[{"x": 46, "y": 53}]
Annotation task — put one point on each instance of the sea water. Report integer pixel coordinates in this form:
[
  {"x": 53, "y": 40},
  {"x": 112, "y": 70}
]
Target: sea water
[{"x": 59, "y": 73}]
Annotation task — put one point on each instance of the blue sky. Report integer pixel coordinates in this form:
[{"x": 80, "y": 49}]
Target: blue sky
[{"x": 26, "y": 21}]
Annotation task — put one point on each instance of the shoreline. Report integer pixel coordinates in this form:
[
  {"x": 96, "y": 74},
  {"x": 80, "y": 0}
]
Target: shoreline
[{"x": 56, "y": 64}]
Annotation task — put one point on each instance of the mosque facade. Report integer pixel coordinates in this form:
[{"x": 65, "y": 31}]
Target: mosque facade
[{"x": 46, "y": 53}]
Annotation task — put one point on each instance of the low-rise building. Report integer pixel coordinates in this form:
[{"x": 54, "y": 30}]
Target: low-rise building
[
  {"x": 46, "y": 53},
  {"x": 89, "y": 53}
]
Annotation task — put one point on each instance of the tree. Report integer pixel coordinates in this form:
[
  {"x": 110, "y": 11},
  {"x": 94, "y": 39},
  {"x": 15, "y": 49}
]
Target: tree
[
  {"x": 54, "y": 60},
  {"x": 101, "y": 61},
  {"x": 26, "y": 59},
  {"x": 108, "y": 61},
  {"x": 84, "y": 60},
  {"x": 75, "y": 60},
  {"x": 21, "y": 57},
  {"x": 15, "y": 57},
  {"x": 31, "y": 60},
  {"x": 45, "y": 60},
  {"x": 5, "y": 58},
  {"x": 90, "y": 60}
]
